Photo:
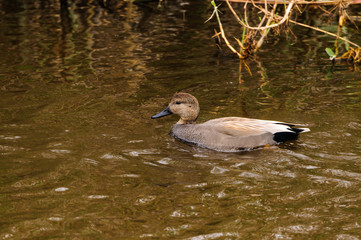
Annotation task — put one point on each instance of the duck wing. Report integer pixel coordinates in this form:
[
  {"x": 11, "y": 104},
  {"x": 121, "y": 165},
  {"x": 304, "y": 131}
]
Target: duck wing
[{"x": 237, "y": 126}]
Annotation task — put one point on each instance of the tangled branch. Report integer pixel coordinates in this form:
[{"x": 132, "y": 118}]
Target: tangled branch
[{"x": 255, "y": 35}]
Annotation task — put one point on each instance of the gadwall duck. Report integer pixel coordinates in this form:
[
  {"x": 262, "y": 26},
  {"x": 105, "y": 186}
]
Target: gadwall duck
[{"x": 228, "y": 134}]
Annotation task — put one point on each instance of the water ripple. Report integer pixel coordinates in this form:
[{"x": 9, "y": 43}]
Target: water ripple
[
  {"x": 218, "y": 170},
  {"x": 214, "y": 236},
  {"x": 342, "y": 173},
  {"x": 326, "y": 180},
  {"x": 9, "y": 137},
  {"x": 112, "y": 156},
  {"x": 299, "y": 229},
  {"x": 137, "y": 153}
]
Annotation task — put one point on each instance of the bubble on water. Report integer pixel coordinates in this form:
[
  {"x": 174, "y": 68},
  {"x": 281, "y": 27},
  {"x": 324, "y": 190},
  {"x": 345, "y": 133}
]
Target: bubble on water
[
  {"x": 61, "y": 189},
  {"x": 8, "y": 235},
  {"x": 145, "y": 200},
  {"x": 164, "y": 161},
  {"x": 55, "y": 219},
  {"x": 60, "y": 151},
  {"x": 218, "y": 170},
  {"x": 97, "y": 196},
  {"x": 135, "y": 141}
]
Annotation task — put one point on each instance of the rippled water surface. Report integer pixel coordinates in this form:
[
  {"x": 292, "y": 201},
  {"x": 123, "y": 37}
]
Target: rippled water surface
[{"x": 80, "y": 157}]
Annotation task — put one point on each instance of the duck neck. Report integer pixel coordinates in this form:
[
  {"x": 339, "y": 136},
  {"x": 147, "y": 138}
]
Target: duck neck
[{"x": 183, "y": 121}]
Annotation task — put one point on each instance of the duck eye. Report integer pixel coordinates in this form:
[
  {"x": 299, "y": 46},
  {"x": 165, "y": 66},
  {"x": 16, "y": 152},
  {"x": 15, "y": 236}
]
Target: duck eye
[{"x": 177, "y": 102}]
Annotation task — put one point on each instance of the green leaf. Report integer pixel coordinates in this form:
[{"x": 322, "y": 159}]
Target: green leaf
[
  {"x": 213, "y": 3},
  {"x": 243, "y": 34},
  {"x": 330, "y": 53}
]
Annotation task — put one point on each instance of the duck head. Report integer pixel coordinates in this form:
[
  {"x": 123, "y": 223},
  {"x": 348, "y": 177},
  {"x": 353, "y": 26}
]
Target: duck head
[{"x": 184, "y": 105}]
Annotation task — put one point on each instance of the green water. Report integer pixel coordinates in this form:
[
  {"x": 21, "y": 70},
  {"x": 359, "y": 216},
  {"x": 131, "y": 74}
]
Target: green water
[{"x": 80, "y": 157}]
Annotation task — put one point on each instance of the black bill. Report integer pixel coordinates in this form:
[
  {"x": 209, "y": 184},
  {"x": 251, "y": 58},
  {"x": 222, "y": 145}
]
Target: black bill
[{"x": 163, "y": 113}]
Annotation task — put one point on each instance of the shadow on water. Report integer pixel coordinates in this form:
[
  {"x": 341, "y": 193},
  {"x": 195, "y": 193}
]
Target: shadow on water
[{"x": 81, "y": 158}]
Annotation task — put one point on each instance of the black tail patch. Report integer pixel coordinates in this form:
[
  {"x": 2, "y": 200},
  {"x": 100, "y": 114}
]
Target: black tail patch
[{"x": 286, "y": 136}]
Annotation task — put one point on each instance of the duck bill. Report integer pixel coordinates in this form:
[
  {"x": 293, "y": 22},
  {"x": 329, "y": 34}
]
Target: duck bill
[{"x": 163, "y": 113}]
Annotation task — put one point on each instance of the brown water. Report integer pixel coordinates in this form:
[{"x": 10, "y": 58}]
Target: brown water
[{"x": 81, "y": 158}]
